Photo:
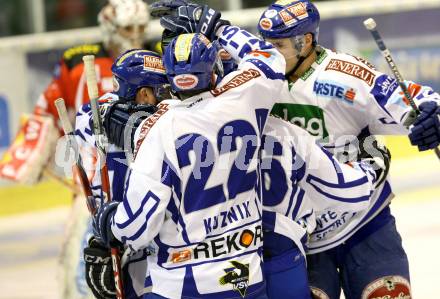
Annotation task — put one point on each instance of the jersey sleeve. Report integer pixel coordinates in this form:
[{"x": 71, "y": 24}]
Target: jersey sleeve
[
  {"x": 376, "y": 97},
  {"x": 138, "y": 219},
  {"x": 251, "y": 51},
  {"x": 387, "y": 95},
  {"x": 87, "y": 149},
  {"x": 305, "y": 165}
]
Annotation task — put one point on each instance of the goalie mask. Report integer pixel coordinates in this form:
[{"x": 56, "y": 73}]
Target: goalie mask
[
  {"x": 123, "y": 24},
  {"x": 191, "y": 60},
  {"x": 137, "y": 68}
]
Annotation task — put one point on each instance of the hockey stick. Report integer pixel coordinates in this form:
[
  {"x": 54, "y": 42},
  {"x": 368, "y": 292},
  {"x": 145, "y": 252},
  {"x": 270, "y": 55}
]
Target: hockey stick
[
  {"x": 370, "y": 24},
  {"x": 78, "y": 165},
  {"x": 98, "y": 132}
]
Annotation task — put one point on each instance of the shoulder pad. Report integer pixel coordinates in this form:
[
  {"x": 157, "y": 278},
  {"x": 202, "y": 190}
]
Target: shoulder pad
[{"x": 73, "y": 56}]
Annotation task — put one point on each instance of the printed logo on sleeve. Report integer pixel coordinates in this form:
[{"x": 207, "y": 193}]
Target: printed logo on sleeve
[
  {"x": 351, "y": 69},
  {"x": 148, "y": 124},
  {"x": 238, "y": 276},
  {"x": 238, "y": 80},
  {"x": 384, "y": 88},
  {"x": 309, "y": 117}
]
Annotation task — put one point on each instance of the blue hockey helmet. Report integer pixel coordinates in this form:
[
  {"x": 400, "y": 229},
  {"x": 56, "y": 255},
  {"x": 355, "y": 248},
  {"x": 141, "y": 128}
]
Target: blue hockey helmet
[
  {"x": 138, "y": 68},
  {"x": 289, "y": 18},
  {"x": 190, "y": 60}
]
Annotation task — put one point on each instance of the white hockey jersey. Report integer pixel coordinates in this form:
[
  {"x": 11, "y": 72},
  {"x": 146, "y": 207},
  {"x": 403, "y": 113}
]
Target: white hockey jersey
[
  {"x": 117, "y": 164},
  {"x": 193, "y": 188},
  {"x": 300, "y": 177},
  {"x": 339, "y": 98}
]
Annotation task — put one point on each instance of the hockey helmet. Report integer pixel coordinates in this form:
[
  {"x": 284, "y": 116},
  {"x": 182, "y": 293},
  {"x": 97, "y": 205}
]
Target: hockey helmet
[
  {"x": 190, "y": 60},
  {"x": 124, "y": 14},
  {"x": 287, "y": 18},
  {"x": 135, "y": 69}
]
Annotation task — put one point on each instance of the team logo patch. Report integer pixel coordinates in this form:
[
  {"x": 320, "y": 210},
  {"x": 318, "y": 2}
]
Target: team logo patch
[
  {"x": 351, "y": 69},
  {"x": 383, "y": 88},
  {"x": 270, "y": 13},
  {"x": 148, "y": 124},
  {"x": 181, "y": 256},
  {"x": 391, "y": 287},
  {"x": 334, "y": 90},
  {"x": 318, "y": 293},
  {"x": 238, "y": 276},
  {"x": 266, "y": 23},
  {"x": 238, "y": 80},
  {"x": 154, "y": 64},
  {"x": 309, "y": 117},
  {"x": 185, "y": 81},
  {"x": 294, "y": 13}
]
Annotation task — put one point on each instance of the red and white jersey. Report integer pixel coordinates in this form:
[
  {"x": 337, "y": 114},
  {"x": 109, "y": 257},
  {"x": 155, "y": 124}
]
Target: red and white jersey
[
  {"x": 193, "y": 188},
  {"x": 69, "y": 81},
  {"x": 33, "y": 146}
]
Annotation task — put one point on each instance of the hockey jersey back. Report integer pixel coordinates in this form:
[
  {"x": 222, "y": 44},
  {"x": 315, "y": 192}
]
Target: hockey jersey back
[{"x": 193, "y": 188}]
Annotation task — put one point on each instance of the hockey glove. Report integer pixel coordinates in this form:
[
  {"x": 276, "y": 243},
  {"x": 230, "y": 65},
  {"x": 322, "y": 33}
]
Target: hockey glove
[
  {"x": 425, "y": 132},
  {"x": 102, "y": 224},
  {"x": 182, "y": 17},
  {"x": 99, "y": 271},
  {"x": 122, "y": 118},
  {"x": 210, "y": 22},
  {"x": 177, "y": 16},
  {"x": 377, "y": 155},
  {"x": 166, "y": 7}
]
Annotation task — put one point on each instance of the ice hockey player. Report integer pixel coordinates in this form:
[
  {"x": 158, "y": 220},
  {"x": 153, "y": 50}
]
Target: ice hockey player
[
  {"x": 139, "y": 84},
  {"x": 185, "y": 175},
  {"x": 294, "y": 187},
  {"x": 123, "y": 24},
  {"x": 340, "y": 99}
]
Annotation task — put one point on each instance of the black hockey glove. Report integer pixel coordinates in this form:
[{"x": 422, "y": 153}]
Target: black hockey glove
[
  {"x": 121, "y": 120},
  {"x": 425, "y": 132},
  {"x": 99, "y": 271},
  {"x": 377, "y": 155},
  {"x": 182, "y": 17},
  {"x": 102, "y": 224}
]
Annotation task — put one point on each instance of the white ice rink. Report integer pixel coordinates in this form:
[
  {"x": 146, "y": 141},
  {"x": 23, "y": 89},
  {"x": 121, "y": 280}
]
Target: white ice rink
[{"x": 30, "y": 243}]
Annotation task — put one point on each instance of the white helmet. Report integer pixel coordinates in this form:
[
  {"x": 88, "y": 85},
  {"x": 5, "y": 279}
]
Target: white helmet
[{"x": 119, "y": 15}]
